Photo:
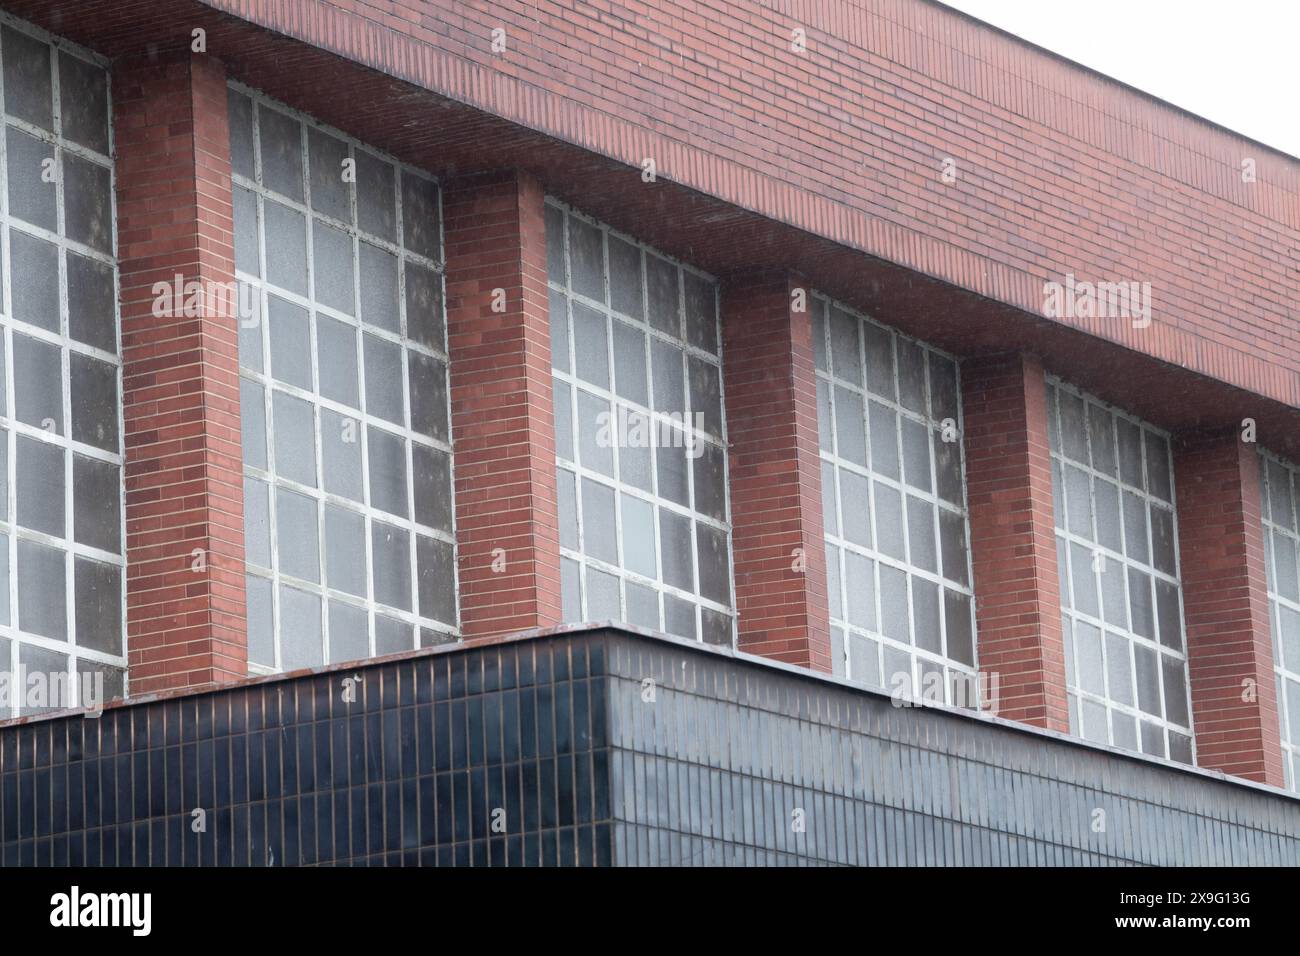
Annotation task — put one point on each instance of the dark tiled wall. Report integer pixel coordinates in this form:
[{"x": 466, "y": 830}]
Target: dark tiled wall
[
  {"x": 289, "y": 773},
  {"x": 601, "y": 748},
  {"x": 731, "y": 763}
]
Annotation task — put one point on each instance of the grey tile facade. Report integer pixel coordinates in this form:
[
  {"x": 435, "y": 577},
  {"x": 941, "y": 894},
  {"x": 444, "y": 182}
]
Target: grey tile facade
[{"x": 598, "y": 747}]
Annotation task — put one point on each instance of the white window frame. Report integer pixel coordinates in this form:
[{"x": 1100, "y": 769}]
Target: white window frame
[
  {"x": 1101, "y": 552},
  {"x": 581, "y": 472},
  {"x": 270, "y": 385},
  {"x": 832, "y": 458},
  {"x": 66, "y": 344},
  {"x": 1276, "y": 601}
]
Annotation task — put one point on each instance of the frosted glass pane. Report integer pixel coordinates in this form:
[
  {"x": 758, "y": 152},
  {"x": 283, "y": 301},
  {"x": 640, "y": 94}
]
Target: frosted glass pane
[
  {"x": 1169, "y": 616},
  {"x": 384, "y": 379},
  {"x": 587, "y": 259},
  {"x": 1087, "y": 644},
  {"x": 40, "y": 486},
  {"x": 850, "y": 427},
  {"x": 952, "y": 542},
  {"x": 860, "y": 590},
  {"x": 889, "y": 521},
  {"x": 711, "y": 544},
  {"x": 330, "y": 192},
  {"x": 428, "y": 378},
  {"x": 435, "y": 568},
  {"x": 433, "y": 495},
  {"x": 386, "y": 454},
  {"x": 1175, "y": 674},
  {"x": 895, "y": 605},
  {"x": 594, "y": 434},
  {"x": 701, "y": 312},
  {"x": 563, "y": 421},
  {"x": 944, "y": 401},
  {"x": 947, "y": 467},
  {"x": 710, "y": 481},
  {"x": 421, "y": 230},
  {"x": 28, "y": 88},
  {"x": 1106, "y": 498},
  {"x": 670, "y": 466},
  {"x": 1078, "y": 501},
  {"x": 855, "y": 501},
  {"x": 345, "y": 550},
  {"x": 332, "y": 269},
  {"x": 675, "y": 550},
  {"x": 290, "y": 342},
  {"x": 1101, "y": 434},
  {"x": 376, "y": 196},
  {"x": 297, "y": 535},
  {"x": 38, "y": 383},
  {"x": 94, "y": 401},
  {"x": 425, "y": 321},
  {"x": 846, "y": 360},
  {"x": 261, "y": 629},
  {"x": 642, "y": 606},
  {"x": 379, "y": 301},
  {"x": 286, "y": 247},
  {"x": 639, "y": 536},
  {"x": 92, "y": 299},
  {"x": 911, "y": 375},
  {"x": 1163, "y": 545},
  {"x": 925, "y": 615},
  {"x": 42, "y": 590},
  {"x": 957, "y": 621},
  {"x": 337, "y": 344},
  {"x": 281, "y": 152},
  {"x": 884, "y": 441},
  {"x": 96, "y": 503},
  {"x": 257, "y": 523},
  {"x": 567, "y": 497},
  {"x": 295, "y": 439},
  {"x": 669, "y": 379},
  {"x": 602, "y": 596},
  {"x": 630, "y": 380},
  {"x": 1084, "y": 580},
  {"x": 599, "y": 530},
  {"x": 341, "y": 454},
  {"x": 625, "y": 278},
  {"x": 34, "y": 267},
  {"x": 301, "y": 640},
  {"x": 349, "y": 632},
  {"x": 31, "y": 196},
  {"x": 663, "y": 295},
  {"x": 591, "y": 345},
  {"x": 1141, "y": 607},
  {"x": 390, "y": 550},
  {"x": 1119, "y": 670},
  {"x": 1148, "y": 680},
  {"x": 920, "y": 534},
  {"x": 97, "y": 600},
  {"x": 87, "y": 203},
  {"x": 252, "y": 419}
]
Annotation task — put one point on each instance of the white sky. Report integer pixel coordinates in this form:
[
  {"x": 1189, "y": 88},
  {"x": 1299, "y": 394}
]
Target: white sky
[{"x": 1235, "y": 62}]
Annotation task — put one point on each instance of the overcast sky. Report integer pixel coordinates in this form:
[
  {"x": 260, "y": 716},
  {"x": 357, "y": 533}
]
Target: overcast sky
[{"x": 1236, "y": 62}]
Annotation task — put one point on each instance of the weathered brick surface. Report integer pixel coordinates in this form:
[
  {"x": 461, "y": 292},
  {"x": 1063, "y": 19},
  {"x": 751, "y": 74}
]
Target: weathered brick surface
[
  {"x": 771, "y": 391},
  {"x": 184, "y": 486},
  {"x": 1225, "y": 600},
  {"x": 502, "y": 419},
  {"x": 1013, "y": 540}
]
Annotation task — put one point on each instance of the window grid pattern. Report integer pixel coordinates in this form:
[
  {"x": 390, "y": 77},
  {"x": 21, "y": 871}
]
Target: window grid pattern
[
  {"x": 349, "y": 522},
  {"x": 1279, "y": 498},
  {"x": 62, "y": 530},
  {"x": 640, "y": 434},
  {"x": 894, "y": 505},
  {"x": 1121, "y": 595}
]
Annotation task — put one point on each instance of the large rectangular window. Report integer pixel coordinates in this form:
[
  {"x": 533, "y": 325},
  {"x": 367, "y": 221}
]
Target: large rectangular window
[
  {"x": 343, "y": 363},
  {"x": 61, "y": 523},
  {"x": 1117, "y": 548},
  {"x": 894, "y": 504},
  {"x": 640, "y": 434},
  {"x": 1280, "y": 498}
]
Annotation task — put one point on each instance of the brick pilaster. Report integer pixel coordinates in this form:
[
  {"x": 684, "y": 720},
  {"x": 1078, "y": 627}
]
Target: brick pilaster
[
  {"x": 502, "y": 414},
  {"x": 1225, "y": 601},
  {"x": 184, "y": 490},
  {"x": 1013, "y": 539},
  {"x": 776, "y": 510}
]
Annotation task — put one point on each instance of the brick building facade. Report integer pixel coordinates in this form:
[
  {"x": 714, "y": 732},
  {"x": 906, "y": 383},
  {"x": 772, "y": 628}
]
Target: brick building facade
[{"x": 738, "y": 322}]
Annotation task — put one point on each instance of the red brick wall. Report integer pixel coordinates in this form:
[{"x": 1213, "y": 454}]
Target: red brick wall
[
  {"x": 184, "y": 485},
  {"x": 502, "y": 418},
  {"x": 775, "y": 469},
  {"x": 1225, "y": 599},
  {"x": 1058, "y": 170},
  {"x": 1013, "y": 539}
]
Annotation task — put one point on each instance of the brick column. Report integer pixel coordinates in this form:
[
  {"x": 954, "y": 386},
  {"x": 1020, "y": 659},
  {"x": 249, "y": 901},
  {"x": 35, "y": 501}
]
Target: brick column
[
  {"x": 184, "y": 490},
  {"x": 775, "y": 469},
  {"x": 1225, "y": 600},
  {"x": 1013, "y": 540},
  {"x": 502, "y": 417}
]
